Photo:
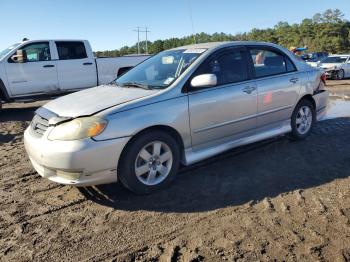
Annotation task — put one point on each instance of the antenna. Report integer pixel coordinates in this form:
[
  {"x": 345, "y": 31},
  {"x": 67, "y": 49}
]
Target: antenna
[{"x": 191, "y": 18}]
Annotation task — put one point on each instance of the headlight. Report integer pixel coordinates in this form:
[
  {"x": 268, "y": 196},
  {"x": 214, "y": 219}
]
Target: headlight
[{"x": 78, "y": 128}]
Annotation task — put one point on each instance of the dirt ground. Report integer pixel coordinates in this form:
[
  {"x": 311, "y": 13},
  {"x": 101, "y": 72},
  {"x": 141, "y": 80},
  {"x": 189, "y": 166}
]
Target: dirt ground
[{"x": 273, "y": 200}]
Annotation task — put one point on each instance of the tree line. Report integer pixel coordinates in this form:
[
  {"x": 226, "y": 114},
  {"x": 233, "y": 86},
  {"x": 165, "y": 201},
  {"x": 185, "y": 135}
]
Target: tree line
[{"x": 328, "y": 31}]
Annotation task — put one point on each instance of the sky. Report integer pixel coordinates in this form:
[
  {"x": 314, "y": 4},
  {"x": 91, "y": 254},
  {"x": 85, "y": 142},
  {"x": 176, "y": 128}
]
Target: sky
[{"x": 109, "y": 24}]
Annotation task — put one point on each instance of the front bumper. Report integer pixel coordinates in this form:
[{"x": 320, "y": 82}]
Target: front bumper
[
  {"x": 330, "y": 74},
  {"x": 82, "y": 162}
]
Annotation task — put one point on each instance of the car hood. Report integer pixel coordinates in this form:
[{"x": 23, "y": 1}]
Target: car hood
[
  {"x": 330, "y": 65},
  {"x": 93, "y": 100}
]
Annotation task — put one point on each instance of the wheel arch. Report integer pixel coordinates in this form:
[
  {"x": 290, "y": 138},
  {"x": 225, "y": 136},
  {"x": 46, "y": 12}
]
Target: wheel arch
[
  {"x": 3, "y": 92},
  {"x": 309, "y": 98},
  {"x": 164, "y": 128}
]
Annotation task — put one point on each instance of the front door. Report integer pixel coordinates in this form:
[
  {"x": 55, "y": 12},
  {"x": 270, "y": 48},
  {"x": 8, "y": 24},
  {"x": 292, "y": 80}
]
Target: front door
[
  {"x": 37, "y": 75},
  {"x": 227, "y": 110}
]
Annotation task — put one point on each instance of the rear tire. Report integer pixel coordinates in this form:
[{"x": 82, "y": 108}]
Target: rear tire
[
  {"x": 303, "y": 119},
  {"x": 149, "y": 163}
]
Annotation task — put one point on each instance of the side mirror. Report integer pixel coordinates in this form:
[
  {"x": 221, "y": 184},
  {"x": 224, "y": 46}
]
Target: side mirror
[
  {"x": 205, "y": 80},
  {"x": 19, "y": 57}
]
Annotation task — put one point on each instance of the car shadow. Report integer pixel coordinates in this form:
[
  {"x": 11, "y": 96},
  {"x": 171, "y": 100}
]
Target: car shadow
[
  {"x": 7, "y": 138},
  {"x": 247, "y": 174},
  {"x": 17, "y": 114}
]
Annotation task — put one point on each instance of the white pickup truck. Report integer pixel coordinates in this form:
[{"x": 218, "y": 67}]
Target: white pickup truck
[{"x": 34, "y": 69}]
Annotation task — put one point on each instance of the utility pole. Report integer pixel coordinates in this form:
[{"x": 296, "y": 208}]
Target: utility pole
[
  {"x": 146, "y": 31},
  {"x": 138, "y": 30},
  {"x": 138, "y": 39}
]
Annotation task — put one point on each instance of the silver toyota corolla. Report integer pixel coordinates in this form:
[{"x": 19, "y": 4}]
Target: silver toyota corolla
[{"x": 179, "y": 106}]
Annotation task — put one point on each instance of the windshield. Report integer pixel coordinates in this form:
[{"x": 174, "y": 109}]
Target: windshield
[
  {"x": 7, "y": 50},
  {"x": 335, "y": 60},
  {"x": 161, "y": 70}
]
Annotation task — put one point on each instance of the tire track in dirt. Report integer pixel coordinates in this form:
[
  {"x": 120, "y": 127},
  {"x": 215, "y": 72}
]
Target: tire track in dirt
[{"x": 249, "y": 210}]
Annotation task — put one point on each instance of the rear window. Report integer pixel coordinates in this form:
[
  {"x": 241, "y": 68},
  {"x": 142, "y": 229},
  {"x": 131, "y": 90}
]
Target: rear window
[{"x": 71, "y": 50}]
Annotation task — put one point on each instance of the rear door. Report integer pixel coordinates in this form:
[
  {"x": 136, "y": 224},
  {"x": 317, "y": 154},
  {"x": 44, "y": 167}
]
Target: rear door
[
  {"x": 278, "y": 84},
  {"x": 226, "y": 111},
  {"x": 76, "y": 68},
  {"x": 36, "y": 76}
]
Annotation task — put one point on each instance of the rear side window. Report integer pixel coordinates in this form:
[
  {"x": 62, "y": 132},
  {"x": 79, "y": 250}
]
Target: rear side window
[
  {"x": 71, "y": 50},
  {"x": 229, "y": 67},
  {"x": 269, "y": 63}
]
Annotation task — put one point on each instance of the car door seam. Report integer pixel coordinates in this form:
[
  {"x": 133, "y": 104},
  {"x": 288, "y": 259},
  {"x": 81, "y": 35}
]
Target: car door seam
[
  {"x": 224, "y": 123},
  {"x": 274, "y": 110}
]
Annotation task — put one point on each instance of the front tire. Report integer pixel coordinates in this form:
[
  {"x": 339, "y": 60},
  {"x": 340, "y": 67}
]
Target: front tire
[
  {"x": 303, "y": 119},
  {"x": 150, "y": 162},
  {"x": 340, "y": 74}
]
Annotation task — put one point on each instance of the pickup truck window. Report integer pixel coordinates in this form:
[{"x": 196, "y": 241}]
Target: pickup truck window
[
  {"x": 37, "y": 52},
  {"x": 71, "y": 50},
  {"x": 161, "y": 70}
]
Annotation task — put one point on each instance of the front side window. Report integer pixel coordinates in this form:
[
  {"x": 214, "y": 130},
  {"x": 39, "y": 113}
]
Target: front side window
[
  {"x": 229, "y": 67},
  {"x": 161, "y": 70},
  {"x": 269, "y": 63},
  {"x": 71, "y": 50},
  {"x": 37, "y": 52}
]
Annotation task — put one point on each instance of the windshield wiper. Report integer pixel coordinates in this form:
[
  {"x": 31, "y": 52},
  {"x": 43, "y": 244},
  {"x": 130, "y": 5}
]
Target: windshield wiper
[{"x": 136, "y": 84}]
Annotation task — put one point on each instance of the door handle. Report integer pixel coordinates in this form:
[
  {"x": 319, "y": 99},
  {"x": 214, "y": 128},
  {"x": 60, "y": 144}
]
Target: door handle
[
  {"x": 87, "y": 64},
  {"x": 249, "y": 89},
  {"x": 46, "y": 66},
  {"x": 294, "y": 80}
]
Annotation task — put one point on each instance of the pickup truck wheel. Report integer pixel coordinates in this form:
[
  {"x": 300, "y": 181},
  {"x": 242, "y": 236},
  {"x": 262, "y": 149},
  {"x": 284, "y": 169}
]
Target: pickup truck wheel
[
  {"x": 303, "y": 119},
  {"x": 150, "y": 162},
  {"x": 340, "y": 74}
]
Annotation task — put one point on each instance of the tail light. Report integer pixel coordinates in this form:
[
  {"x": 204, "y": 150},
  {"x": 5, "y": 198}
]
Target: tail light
[{"x": 323, "y": 78}]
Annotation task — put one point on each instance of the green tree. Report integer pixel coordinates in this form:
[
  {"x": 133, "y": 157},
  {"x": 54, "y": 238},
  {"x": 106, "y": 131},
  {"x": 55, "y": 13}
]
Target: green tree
[{"x": 328, "y": 31}]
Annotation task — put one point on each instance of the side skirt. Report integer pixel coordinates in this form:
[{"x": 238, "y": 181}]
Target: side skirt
[{"x": 192, "y": 157}]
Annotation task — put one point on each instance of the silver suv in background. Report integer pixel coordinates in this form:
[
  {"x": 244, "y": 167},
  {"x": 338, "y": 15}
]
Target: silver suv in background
[{"x": 179, "y": 106}]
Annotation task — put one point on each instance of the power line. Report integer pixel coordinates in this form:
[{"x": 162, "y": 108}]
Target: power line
[{"x": 138, "y": 30}]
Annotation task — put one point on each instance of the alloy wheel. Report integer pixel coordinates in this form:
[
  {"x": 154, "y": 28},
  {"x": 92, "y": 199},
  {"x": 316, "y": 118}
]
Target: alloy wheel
[
  {"x": 153, "y": 163},
  {"x": 304, "y": 120}
]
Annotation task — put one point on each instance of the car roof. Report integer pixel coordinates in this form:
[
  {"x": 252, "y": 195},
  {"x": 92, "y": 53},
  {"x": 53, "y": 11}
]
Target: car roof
[
  {"x": 339, "y": 55},
  {"x": 46, "y": 40},
  {"x": 213, "y": 45}
]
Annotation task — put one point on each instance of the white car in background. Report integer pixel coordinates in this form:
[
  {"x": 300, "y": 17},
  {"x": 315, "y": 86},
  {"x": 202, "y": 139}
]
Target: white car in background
[
  {"x": 37, "y": 69},
  {"x": 336, "y": 66}
]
